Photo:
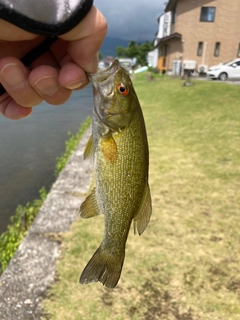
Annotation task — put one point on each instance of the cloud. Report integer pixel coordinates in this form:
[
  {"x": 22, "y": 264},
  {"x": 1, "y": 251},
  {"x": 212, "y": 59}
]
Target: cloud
[{"x": 131, "y": 19}]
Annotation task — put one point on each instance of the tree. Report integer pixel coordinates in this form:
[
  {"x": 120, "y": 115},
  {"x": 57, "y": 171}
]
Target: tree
[
  {"x": 132, "y": 49},
  {"x": 121, "y": 52},
  {"x": 139, "y": 51}
]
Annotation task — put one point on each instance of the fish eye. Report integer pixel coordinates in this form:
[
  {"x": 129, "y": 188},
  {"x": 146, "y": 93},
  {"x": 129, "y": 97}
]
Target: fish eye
[{"x": 122, "y": 89}]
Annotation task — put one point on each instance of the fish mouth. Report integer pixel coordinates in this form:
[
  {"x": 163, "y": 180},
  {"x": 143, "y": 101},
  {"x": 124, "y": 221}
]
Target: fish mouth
[
  {"x": 103, "y": 75},
  {"x": 102, "y": 81}
]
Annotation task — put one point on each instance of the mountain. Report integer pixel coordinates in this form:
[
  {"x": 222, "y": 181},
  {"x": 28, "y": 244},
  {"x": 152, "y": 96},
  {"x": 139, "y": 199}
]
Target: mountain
[{"x": 109, "y": 45}]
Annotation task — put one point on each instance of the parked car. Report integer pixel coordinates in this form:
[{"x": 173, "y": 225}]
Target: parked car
[
  {"x": 224, "y": 71},
  {"x": 101, "y": 65},
  {"x": 126, "y": 64}
]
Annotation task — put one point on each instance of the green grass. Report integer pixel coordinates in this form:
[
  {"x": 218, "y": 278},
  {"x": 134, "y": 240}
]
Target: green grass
[
  {"x": 18, "y": 227},
  {"x": 186, "y": 265}
]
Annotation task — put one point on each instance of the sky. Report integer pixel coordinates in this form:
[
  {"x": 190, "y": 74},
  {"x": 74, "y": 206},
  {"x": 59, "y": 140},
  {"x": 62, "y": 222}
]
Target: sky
[{"x": 131, "y": 19}]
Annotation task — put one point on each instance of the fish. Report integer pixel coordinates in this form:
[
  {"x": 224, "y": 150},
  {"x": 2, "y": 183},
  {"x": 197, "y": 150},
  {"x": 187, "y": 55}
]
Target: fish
[{"x": 119, "y": 147}]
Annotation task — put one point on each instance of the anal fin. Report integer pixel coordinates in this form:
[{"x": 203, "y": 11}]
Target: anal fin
[{"x": 142, "y": 218}]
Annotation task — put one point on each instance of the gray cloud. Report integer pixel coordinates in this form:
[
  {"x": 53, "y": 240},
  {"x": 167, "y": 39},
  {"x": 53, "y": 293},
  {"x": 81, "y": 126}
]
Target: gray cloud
[{"x": 131, "y": 19}]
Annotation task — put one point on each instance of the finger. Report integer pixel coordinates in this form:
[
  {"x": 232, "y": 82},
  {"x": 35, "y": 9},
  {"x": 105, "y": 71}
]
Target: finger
[
  {"x": 70, "y": 76},
  {"x": 18, "y": 49},
  {"x": 46, "y": 59},
  {"x": 59, "y": 49},
  {"x": 86, "y": 39},
  {"x": 11, "y": 32},
  {"x": 14, "y": 78},
  {"x": 44, "y": 79},
  {"x": 10, "y": 109},
  {"x": 73, "y": 77}
]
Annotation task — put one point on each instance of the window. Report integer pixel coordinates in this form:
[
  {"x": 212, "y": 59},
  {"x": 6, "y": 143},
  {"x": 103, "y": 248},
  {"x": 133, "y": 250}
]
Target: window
[
  {"x": 207, "y": 14},
  {"x": 238, "y": 52},
  {"x": 217, "y": 49},
  {"x": 174, "y": 16},
  {"x": 199, "y": 49}
]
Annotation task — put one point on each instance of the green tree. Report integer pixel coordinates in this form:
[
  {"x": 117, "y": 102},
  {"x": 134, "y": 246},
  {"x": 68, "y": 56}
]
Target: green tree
[
  {"x": 132, "y": 49},
  {"x": 121, "y": 52},
  {"x": 135, "y": 50}
]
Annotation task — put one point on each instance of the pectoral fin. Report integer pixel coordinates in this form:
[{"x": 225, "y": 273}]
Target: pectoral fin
[
  {"x": 109, "y": 148},
  {"x": 142, "y": 218},
  {"x": 88, "y": 152},
  {"x": 89, "y": 208}
]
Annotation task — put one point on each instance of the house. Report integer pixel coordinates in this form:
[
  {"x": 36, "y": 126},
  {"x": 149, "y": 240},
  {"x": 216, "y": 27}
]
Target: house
[
  {"x": 198, "y": 34},
  {"x": 164, "y": 27}
]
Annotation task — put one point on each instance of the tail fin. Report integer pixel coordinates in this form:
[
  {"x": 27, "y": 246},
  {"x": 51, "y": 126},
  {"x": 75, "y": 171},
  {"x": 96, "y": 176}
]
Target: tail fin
[{"x": 103, "y": 267}]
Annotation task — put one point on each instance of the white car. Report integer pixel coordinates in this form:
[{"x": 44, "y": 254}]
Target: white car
[
  {"x": 224, "y": 71},
  {"x": 126, "y": 64}
]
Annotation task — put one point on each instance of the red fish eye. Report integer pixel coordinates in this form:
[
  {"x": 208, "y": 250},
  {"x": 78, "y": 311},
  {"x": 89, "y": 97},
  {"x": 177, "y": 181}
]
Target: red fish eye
[{"x": 122, "y": 89}]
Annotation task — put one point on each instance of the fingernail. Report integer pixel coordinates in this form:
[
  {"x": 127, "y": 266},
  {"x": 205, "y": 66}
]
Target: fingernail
[
  {"x": 14, "y": 76},
  {"x": 47, "y": 85},
  {"x": 75, "y": 84}
]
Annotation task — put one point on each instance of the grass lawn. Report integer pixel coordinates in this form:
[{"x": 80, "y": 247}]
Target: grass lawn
[{"x": 186, "y": 265}]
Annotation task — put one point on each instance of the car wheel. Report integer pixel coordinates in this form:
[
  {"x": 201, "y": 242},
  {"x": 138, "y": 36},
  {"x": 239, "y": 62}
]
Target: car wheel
[{"x": 223, "y": 76}]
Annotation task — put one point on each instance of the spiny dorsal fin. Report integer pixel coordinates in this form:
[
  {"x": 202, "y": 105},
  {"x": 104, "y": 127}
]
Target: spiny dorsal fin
[
  {"x": 89, "y": 208},
  {"x": 88, "y": 152},
  {"x": 142, "y": 218}
]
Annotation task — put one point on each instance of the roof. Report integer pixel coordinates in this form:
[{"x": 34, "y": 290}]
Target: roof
[
  {"x": 170, "y": 5},
  {"x": 172, "y": 36}
]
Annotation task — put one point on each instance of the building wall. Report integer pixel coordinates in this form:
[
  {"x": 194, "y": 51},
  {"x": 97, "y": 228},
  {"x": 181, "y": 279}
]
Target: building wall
[
  {"x": 164, "y": 25},
  {"x": 174, "y": 51},
  {"x": 225, "y": 29}
]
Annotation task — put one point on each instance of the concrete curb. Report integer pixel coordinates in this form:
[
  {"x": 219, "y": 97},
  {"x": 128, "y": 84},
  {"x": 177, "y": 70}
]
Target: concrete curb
[{"x": 31, "y": 271}]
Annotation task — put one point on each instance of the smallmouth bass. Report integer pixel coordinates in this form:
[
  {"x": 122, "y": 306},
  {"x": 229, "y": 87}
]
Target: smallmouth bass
[{"x": 120, "y": 150}]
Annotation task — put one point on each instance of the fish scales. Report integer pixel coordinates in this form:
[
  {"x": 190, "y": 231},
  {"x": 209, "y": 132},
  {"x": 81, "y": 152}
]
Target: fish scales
[
  {"x": 120, "y": 150},
  {"x": 132, "y": 179}
]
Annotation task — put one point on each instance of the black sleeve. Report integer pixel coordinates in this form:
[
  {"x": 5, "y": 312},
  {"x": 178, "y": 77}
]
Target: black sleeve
[{"x": 45, "y": 17}]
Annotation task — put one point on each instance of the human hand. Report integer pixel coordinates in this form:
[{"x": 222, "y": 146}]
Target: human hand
[{"x": 52, "y": 76}]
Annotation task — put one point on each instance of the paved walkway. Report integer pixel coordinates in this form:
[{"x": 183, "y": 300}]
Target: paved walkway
[{"x": 24, "y": 283}]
